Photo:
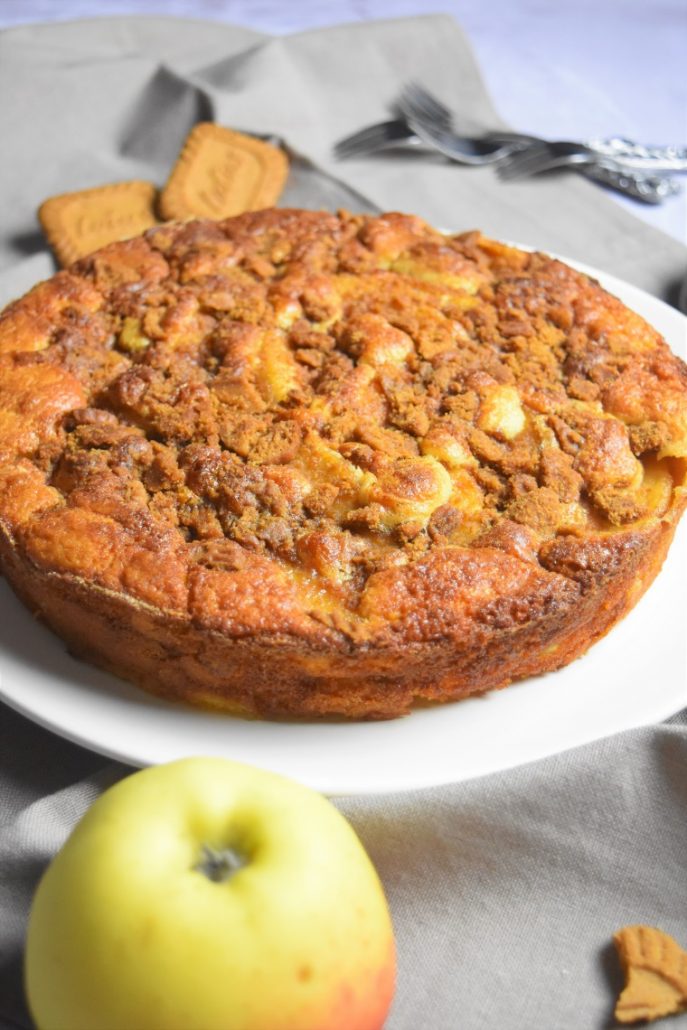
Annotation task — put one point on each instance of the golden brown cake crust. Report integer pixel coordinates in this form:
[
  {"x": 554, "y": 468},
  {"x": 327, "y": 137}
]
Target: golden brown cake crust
[{"x": 295, "y": 463}]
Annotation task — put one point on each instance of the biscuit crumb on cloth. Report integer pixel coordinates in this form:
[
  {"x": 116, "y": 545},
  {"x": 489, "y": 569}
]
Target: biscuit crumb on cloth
[{"x": 655, "y": 968}]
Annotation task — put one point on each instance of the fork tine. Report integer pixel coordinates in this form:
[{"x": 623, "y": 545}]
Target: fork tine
[
  {"x": 368, "y": 138},
  {"x": 413, "y": 107},
  {"x": 372, "y": 137},
  {"x": 423, "y": 104},
  {"x": 359, "y": 141},
  {"x": 524, "y": 162}
]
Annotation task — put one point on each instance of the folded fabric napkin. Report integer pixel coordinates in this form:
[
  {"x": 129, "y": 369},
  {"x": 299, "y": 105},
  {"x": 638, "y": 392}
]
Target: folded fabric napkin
[{"x": 505, "y": 891}]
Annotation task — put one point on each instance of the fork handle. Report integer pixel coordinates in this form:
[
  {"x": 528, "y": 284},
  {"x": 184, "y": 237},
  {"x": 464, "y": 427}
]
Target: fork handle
[
  {"x": 651, "y": 189},
  {"x": 639, "y": 156}
]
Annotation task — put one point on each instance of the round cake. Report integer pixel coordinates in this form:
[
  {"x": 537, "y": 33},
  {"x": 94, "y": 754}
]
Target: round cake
[{"x": 299, "y": 464}]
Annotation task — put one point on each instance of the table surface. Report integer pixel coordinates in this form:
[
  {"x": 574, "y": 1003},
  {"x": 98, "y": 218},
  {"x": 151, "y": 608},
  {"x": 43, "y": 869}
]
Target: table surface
[{"x": 563, "y": 70}]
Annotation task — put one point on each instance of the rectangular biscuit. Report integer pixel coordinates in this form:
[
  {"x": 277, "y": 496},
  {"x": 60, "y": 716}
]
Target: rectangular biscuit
[
  {"x": 78, "y": 223},
  {"x": 220, "y": 173}
]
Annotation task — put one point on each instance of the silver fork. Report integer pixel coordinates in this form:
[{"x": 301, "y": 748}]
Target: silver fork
[
  {"x": 429, "y": 112},
  {"x": 542, "y": 155},
  {"x": 420, "y": 106},
  {"x": 431, "y": 120},
  {"x": 398, "y": 133},
  {"x": 381, "y": 136}
]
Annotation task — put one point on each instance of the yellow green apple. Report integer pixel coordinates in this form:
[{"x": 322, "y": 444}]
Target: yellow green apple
[{"x": 210, "y": 895}]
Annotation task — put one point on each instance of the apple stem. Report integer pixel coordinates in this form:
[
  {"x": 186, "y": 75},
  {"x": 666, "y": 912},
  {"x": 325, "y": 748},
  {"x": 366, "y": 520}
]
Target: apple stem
[{"x": 220, "y": 864}]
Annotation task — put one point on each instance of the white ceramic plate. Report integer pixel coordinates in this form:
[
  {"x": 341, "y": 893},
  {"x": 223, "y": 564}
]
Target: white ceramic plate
[{"x": 635, "y": 676}]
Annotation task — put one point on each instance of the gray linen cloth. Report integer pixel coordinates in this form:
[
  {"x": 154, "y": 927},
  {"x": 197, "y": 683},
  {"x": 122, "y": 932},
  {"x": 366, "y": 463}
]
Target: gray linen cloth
[{"x": 505, "y": 891}]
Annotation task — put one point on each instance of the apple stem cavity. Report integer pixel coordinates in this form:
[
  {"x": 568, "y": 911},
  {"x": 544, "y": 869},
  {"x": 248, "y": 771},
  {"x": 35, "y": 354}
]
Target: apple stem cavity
[{"x": 220, "y": 864}]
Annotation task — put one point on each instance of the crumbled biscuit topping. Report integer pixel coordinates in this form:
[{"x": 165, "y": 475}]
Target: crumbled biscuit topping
[{"x": 341, "y": 394}]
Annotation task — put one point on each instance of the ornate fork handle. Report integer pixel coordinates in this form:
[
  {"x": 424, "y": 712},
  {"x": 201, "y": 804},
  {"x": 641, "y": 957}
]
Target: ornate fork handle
[
  {"x": 637, "y": 155},
  {"x": 652, "y": 189}
]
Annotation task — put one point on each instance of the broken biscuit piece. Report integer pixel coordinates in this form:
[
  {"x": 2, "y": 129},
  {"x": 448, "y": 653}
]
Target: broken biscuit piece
[
  {"x": 655, "y": 968},
  {"x": 220, "y": 173},
  {"x": 78, "y": 223}
]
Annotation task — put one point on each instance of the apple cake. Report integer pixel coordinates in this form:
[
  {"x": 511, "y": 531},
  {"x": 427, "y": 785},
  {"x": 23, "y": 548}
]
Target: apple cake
[{"x": 303, "y": 464}]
